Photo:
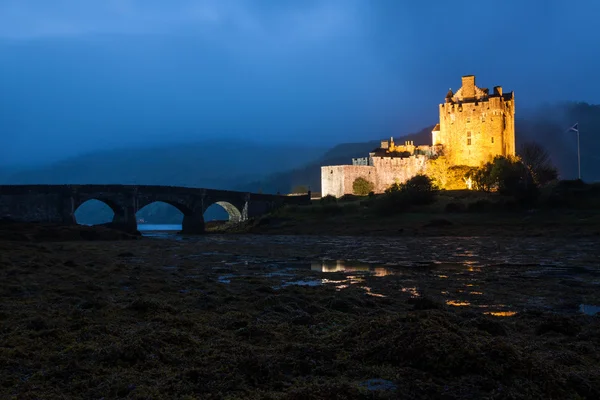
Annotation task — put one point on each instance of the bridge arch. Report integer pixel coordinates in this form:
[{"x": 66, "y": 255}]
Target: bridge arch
[
  {"x": 95, "y": 211},
  {"x": 161, "y": 213},
  {"x": 234, "y": 213}
]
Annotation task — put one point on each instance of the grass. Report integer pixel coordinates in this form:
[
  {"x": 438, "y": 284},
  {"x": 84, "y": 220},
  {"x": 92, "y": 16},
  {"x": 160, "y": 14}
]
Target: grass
[
  {"x": 481, "y": 214},
  {"x": 149, "y": 319}
]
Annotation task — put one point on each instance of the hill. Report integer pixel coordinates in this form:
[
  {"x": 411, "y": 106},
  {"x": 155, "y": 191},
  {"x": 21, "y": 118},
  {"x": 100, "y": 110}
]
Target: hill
[
  {"x": 546, "y": 125},
  {"x": 212, "y": 164},
  {"x": 310, "y": 174}
]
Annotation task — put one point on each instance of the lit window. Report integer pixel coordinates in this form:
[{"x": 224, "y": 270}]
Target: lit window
[{"x": 468, "y": 141}]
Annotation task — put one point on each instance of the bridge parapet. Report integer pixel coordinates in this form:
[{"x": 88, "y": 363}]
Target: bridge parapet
[{"x": 58, "y": 203}]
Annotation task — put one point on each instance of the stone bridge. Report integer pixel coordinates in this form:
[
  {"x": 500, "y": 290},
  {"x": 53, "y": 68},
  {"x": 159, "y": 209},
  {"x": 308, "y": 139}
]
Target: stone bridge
[{"x": 58, "y": 203}]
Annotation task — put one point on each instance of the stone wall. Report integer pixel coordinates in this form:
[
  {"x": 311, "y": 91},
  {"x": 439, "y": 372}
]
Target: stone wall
[
  {"x": 390, "y": 170},
  {"x": 58, "y": 203},
  {"x": 337, "y": 180},
  {"x": 35, "y": 207},
  {"x": 475, "y": 132}
]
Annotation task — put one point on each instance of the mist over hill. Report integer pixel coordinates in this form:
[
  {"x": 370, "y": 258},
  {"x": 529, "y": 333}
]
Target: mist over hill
[
  {"x": 547, "y": 125},
  {"x": 211, "y": 164}
]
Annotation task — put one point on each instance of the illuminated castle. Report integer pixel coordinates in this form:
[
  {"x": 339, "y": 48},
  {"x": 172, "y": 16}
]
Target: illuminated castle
[{"x": 474, "y": 127}]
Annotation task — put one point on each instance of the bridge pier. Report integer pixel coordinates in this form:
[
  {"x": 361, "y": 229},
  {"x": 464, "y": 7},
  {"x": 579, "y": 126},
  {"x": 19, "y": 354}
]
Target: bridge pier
[
  {"x": 193, "y": 223},
  {"x": 124, "y": 222},
  {"x": 58, "y": 203}
]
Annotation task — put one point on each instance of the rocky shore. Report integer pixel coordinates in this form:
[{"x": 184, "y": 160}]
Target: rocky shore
[{"x": 283, "y": 317}]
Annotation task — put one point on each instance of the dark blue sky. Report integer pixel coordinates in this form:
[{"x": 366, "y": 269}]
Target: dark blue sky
[{"x": 78, "y": 75}]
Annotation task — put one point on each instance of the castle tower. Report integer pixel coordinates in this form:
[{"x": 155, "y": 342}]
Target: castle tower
[{"x": 475, "y": 126}]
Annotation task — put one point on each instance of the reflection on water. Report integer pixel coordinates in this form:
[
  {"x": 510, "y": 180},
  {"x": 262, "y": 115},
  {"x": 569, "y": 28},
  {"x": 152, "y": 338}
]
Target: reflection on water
[
  {"x": 350, "y": 266},
  {"x": 589, "y": 309},
  {"x": 501, "y": 313},
  {"x": 457, "y": 303},
  {"x": 159, "y": 231}
]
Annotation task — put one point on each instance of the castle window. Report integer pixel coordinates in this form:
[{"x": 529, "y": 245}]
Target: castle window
[
  {"x": 468, "y": 141},
  {"x": 492, "y": 139},
  {"x": 468, "y": 120},
  {"x": 469, "y": 134}
]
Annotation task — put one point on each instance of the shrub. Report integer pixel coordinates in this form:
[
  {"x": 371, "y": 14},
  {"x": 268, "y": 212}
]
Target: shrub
[
  {"x": 329, "y": 199},
  {"x": 418, "y": 190},
  {"x": 362, "y": 186},
  {"x": 300, "y": 189},
  {"x": 347, "y": 197},
  {"x": 509, "y": 176}
]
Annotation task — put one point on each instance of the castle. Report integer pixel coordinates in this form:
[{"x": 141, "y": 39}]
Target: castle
[{"x": 474, "y": 127}]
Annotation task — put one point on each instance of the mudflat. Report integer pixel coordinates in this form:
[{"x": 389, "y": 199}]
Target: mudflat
[{"x": 300, "y": 317}]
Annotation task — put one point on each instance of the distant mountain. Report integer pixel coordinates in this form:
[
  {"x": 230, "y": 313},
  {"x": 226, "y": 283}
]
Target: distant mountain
[
  {"x": 211, "y": 164},
  {"x": 546, "y": 125},
  {"x": 549, "y": 124},
  {"x": 310, "y": 174}
]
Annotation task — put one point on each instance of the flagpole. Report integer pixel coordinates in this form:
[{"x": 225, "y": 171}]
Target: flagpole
[{"x": 578, "y": 154}]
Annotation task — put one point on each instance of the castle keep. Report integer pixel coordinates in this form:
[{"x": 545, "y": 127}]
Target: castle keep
[{"x": 474, "y": 127}]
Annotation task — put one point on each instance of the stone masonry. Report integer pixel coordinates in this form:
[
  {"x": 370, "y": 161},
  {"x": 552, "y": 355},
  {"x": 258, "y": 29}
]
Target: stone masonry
[
  {"x": 58, "y": 203},
  {"x": 475, "y": 126}
]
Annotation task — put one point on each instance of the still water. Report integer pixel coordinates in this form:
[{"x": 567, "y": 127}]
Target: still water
[
  {"x": 152, "y": 229},
  {"x": 498, "y": 275}
]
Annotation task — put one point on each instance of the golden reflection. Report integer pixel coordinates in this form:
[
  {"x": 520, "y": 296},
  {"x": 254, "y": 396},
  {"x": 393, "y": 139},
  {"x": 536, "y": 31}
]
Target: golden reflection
[
  {"x": 412, "y": 290},
  {"x": 368, "y": 289},
  {"x": 341, "y": 266},
  {"x": 501, "y": 313},
  {"x": 457, "y": 303},
  {"x": 477, "y": 293},
  {"x": 442, "y": 276}
]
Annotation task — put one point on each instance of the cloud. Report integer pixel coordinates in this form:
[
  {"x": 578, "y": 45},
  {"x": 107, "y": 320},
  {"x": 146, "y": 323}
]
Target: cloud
[{"x": 306, "y": 20}]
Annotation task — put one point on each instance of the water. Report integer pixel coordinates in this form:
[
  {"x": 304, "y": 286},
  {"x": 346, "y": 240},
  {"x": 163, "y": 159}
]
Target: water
[
  {"x": 498, "y": 276},
  {"x": 158, "y": 230}
]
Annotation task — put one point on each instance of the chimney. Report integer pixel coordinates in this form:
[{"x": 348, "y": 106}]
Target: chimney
[
  {"x": 468, "y": 86},
  {"x": 498, "y": 90}
]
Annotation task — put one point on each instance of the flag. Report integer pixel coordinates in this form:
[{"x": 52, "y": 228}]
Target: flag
[{"x": 574, "y": 128}]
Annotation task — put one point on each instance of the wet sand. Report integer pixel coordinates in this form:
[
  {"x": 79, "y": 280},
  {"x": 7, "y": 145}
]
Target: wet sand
[{"x": 300, "y": 317}]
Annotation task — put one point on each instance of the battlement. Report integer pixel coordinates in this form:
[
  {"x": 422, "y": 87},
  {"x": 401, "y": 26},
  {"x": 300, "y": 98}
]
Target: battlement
[{"x": 475, "y": 125}]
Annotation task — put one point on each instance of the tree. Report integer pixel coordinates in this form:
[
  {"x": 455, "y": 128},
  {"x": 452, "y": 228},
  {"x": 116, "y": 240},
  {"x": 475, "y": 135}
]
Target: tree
[
  {"x": 537, "y": 159},
  {"x": 420, "y": 189},
  {"x": 509, "y": 176},
  {"x": 437, "y": 169},
  {"x": 362, "y": 186},
  {"x": 300, "y": 189}
]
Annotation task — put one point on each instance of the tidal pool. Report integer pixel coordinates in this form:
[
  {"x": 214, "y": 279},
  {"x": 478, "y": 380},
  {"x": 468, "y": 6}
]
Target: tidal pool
[{"x": 496, "y": 276}]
